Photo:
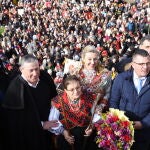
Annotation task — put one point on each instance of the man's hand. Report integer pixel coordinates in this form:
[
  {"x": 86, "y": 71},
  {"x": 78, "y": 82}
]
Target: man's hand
[
  {"x": 50, "y": 124},
  {"x": 137, "y": 125}
]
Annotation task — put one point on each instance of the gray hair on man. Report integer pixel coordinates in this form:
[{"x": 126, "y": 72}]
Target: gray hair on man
[{"x": 27, "y": 59}]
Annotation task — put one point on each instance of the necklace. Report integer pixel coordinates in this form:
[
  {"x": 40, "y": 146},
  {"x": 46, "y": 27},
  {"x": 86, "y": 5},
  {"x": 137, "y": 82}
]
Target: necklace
[
  {"x": 89, "y": 75},
  {"x": 74, "y": 101},
  {"x": 75, "y": 105}
]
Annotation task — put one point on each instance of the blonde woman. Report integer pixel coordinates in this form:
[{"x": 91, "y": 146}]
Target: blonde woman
[{"x": 92, "y": 73}]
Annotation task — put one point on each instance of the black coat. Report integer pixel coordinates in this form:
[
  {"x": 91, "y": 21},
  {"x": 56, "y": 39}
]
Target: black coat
[{"x": 23, "y": 109}]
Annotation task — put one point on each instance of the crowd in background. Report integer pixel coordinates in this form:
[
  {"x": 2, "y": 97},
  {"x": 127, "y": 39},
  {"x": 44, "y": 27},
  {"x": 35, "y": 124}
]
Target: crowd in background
[
  {"x": 99, "y": 33},
  {"x": 57, "y": 29}
]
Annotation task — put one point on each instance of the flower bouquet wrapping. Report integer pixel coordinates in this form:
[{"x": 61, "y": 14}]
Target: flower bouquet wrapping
[{"x": 114, "y": 131}]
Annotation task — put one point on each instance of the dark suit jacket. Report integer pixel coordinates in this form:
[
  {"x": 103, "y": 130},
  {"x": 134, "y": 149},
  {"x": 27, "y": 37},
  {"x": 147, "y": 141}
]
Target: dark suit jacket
[{"x": 136, "y": 106}]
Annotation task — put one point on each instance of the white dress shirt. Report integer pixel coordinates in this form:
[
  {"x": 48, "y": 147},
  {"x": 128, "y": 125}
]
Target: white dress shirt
[{"x": 136, "y": 80}]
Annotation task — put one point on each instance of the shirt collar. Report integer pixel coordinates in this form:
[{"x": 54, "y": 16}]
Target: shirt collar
[
  {"x": 30, "y": 84},
  {"x": 136, "y": 77}
]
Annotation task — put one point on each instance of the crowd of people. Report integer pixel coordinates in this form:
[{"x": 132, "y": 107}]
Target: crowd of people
[
  {"x": 106, "y": 37},
  {"x": 55, "y": 30}
]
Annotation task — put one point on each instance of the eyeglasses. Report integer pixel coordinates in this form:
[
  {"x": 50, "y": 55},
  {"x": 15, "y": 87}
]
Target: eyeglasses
[
  {"x": 142, "y": 64},
  {"x": 73, "y": 90}
]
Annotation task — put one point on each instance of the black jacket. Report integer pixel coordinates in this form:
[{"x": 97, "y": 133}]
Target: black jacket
[{"x": 23, "y": 109}]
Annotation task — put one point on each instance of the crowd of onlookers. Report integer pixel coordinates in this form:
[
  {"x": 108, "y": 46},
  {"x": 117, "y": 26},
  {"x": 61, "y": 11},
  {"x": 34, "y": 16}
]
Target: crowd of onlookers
[{"x": 54, "y": 30}]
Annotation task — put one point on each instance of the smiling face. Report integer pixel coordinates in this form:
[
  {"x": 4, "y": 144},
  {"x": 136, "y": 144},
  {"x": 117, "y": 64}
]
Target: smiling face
[
  {"x": 31, "y": 72},
  {"x": 90, "y": 60},
  {"x": 141, "y": 65}
]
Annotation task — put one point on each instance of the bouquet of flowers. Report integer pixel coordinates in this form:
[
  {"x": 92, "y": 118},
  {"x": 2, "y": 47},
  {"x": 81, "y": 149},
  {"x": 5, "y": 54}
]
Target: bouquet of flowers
[{"x": 114, "y": 131}]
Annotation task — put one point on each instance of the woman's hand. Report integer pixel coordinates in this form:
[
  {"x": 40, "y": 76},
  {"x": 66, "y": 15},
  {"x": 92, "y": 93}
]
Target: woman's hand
[
  {"x": 69, "y": 138},
  {"x": 50, "y": 124},
  {"x": 88, "y": 131}
]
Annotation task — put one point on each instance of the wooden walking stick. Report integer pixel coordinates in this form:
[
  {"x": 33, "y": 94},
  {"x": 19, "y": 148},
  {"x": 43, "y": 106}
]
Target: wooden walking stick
[
  {"x": 104, "y": 83},
  {"x": 98, "y": 97}
]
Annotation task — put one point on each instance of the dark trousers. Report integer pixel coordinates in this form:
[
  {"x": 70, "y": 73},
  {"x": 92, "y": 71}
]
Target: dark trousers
[
  {"x": 80, "y": 142},
  {"x": 142, "y": 145}
]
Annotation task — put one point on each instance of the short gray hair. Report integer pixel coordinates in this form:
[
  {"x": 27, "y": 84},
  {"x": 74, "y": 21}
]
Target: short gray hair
[{"x": 27, "y": 59}]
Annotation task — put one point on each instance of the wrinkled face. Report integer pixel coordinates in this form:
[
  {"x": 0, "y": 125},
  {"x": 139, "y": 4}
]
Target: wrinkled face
[
  {"x": 73, "y": 90},
  {"x": 31, "y": 72},
  {"x": 90, "y": 61},
  {"x": 141, "y": 65},
  {"x": 145, "y": 46}
]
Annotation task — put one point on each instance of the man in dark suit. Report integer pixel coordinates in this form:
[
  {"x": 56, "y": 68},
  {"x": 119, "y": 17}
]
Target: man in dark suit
[
  {"x": 126, "y": 96},
  {"x": 26, "y": 107}
]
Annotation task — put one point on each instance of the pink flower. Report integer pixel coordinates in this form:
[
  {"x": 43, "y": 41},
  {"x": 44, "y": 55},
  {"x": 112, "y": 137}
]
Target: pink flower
[{"x": 114, "y": 132}]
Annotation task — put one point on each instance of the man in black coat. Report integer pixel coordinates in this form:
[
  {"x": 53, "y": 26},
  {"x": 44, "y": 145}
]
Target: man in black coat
[
  {"x": 3, "y": 87},
  {"x": 26, "y": 107}
]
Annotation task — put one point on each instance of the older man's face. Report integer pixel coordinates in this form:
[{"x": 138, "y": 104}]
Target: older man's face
[{"x": 31, "y": 72}]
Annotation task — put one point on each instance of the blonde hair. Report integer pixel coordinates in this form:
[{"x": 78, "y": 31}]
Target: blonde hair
[
  {"x": 92, "y": 49},
  {"x": 89, "y": 49}
]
